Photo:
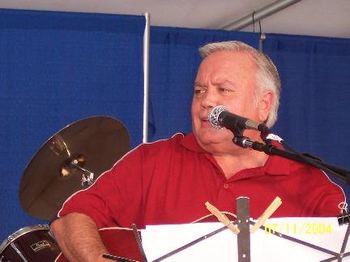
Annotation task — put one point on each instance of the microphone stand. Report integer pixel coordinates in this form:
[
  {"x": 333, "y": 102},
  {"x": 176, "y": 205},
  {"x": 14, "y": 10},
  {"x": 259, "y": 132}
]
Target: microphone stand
[
  {"x": 270, "y": 149},
  {"x": 341, "y": 173}
]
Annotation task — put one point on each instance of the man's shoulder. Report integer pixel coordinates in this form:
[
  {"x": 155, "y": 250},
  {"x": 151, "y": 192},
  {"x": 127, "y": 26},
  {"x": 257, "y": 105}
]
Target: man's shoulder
[{"x": 173, "y": 141}]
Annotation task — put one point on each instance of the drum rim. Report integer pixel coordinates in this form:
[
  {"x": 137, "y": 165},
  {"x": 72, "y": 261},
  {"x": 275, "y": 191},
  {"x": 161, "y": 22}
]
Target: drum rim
[{"x": 20, "y": 232}]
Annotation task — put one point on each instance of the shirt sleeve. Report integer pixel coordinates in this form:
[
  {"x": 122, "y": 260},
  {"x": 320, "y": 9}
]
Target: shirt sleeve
[
  {"x": 115, "y": 197},
  {"x": 329, "y": 196}
]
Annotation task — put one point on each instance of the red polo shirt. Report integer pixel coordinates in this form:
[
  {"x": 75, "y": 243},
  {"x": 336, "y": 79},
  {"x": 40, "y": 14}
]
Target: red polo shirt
[{"x": 169, "y": 181}]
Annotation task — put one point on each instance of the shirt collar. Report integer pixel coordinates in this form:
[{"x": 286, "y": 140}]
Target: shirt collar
[
  {"x": 190, "y": 142},
  {"x": 275, "y": 165}
]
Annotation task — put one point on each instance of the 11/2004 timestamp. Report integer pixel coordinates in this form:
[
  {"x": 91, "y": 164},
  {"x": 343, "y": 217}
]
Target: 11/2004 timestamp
[{"x": 298, "y": 228}]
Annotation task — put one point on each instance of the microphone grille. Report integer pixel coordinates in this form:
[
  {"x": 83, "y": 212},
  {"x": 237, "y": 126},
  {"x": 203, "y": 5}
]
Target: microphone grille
[{"x": 213, "y": 116}]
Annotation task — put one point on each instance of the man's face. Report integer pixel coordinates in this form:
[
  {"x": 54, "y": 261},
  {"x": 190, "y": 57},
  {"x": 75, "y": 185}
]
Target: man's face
[{"x": 224, "y": 78}]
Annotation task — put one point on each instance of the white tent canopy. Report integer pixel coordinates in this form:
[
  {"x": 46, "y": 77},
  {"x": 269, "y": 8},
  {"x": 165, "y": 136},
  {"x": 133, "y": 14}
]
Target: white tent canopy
[{"x": 302, "y": 17}]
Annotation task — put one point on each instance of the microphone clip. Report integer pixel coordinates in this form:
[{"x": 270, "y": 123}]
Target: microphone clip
[
  {"x": 245, "y": 142},
  {"x": 242, "y": 141}
]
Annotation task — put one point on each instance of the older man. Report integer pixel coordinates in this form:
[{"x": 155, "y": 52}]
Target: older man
[{"x": 169, "y": 181}]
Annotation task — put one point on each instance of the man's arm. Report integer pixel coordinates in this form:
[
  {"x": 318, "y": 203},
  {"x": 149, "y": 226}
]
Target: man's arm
[{"x": 78, "y": 238}]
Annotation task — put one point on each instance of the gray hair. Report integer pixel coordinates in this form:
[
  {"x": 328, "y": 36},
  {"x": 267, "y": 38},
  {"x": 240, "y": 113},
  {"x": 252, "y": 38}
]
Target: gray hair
[{"x": 267, "y": 76}]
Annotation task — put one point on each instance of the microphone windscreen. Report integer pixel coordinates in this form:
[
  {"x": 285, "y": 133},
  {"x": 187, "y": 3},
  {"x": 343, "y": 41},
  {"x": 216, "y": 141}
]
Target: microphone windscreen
[{"x": 213, "y": 116}]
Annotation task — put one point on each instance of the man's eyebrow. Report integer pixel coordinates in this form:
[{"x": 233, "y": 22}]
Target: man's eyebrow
[
  {"x": 196, "y": 83},
  {"x": 220, "y": 82},
  {"x": 215, "y": 83}
]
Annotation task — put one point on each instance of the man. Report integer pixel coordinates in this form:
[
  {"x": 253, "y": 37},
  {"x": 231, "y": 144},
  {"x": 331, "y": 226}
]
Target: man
[{"x": 169, "y": 181}]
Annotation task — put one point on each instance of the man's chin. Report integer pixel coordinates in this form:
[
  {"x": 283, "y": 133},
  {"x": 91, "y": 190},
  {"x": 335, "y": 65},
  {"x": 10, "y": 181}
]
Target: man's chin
[{"x": 207, "y": 140}]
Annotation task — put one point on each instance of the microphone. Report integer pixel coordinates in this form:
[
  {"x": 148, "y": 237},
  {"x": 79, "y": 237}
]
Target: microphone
[{"x": 220, "y": 117}]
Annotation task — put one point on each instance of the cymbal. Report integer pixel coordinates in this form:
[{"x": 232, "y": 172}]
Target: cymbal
[{"x": 69, "y": 161}]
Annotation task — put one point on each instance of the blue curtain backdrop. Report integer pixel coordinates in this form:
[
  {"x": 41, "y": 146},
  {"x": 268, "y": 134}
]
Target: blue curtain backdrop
[
  {"x": 314, "y": 112},
  {"x": 57, "y": 68}
]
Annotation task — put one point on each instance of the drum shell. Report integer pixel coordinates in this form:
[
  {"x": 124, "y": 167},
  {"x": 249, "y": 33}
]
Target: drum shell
[{"x": 33, "y": 243}]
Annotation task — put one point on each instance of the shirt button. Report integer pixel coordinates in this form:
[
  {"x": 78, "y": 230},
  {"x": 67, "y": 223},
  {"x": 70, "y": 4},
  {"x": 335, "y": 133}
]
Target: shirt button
[{"x": 226, "y": 186}]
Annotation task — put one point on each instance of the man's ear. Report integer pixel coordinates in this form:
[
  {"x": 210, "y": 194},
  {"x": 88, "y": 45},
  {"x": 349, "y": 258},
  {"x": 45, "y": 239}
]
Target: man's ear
[{"x": 265, "y": 104}]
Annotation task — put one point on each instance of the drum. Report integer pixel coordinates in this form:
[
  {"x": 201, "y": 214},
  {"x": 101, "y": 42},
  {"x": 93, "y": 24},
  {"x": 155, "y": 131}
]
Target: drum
[{"x": 33, "y": 243}]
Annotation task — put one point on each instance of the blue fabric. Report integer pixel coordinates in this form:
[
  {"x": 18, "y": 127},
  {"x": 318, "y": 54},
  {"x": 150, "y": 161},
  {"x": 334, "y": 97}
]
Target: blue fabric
[
  {"x": 314, "y": 112},
  {"x": 315, "y": 94},
  {"x": 57, "y": 68}
]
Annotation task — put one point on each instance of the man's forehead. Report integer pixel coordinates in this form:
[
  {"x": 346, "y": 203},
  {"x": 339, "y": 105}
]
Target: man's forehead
[
  {"x": 228, "y": 58},
  {"x": 215, "y": 81}
]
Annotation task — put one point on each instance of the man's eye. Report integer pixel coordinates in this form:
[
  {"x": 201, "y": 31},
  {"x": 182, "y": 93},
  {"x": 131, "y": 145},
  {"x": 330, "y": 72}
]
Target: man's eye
[
  {"x": 199, "y": 91},
  {"x": 225, "y": 90}
]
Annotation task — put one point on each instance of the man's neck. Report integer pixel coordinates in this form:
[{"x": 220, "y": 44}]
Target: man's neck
[{"x": 231, "y": 164}]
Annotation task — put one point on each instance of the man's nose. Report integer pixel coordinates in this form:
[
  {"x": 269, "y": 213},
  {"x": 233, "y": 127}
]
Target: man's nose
[{"x": 210, "y": 98}]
